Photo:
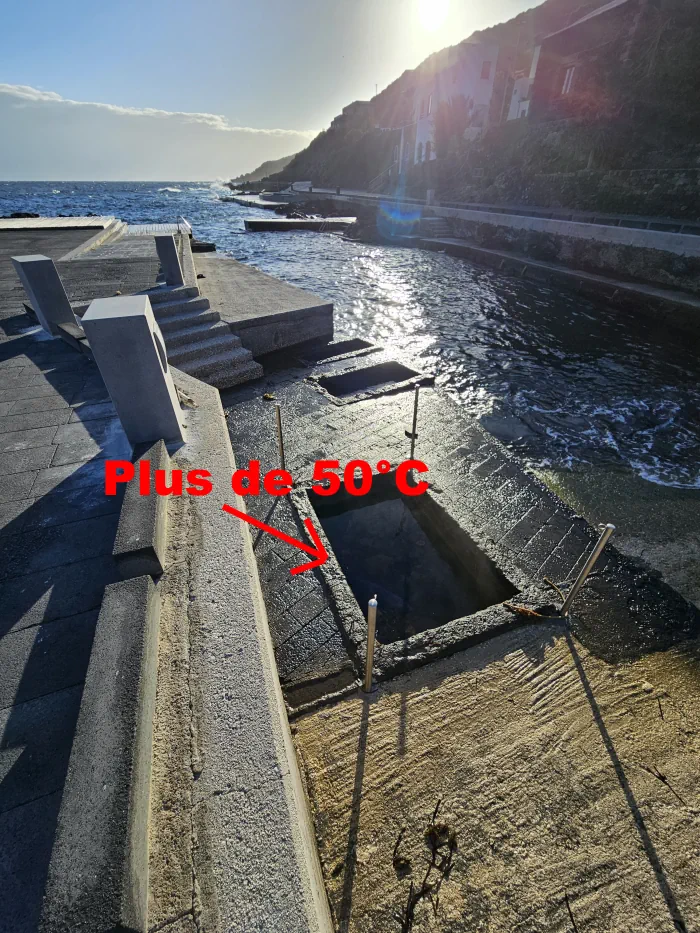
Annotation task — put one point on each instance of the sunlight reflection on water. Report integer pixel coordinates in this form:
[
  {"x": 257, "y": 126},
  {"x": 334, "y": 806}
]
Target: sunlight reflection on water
[{"x": 563, "y": 380}]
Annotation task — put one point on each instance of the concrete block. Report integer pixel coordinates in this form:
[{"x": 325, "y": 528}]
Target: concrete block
[
  {"x": 169, "y": 260},
  {"x": 98, "y": 875},
  {"x": 129, "y": 351},
  {"x": 44, "y": 288},
  {"x": 142, "y": 533}
]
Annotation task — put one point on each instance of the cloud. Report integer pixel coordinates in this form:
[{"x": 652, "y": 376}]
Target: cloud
[{"x": 59, "y": 138}]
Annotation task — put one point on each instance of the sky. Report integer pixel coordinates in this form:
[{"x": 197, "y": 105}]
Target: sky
[{"x": 204, "y": 89}]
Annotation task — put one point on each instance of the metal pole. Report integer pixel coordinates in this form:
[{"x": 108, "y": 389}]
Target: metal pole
[
  {"x": 371, "y": 629},
  {"x": 280, "y": 440},
  {"x": 415, "y": 423},
  {"x": 606, "y": 532}
]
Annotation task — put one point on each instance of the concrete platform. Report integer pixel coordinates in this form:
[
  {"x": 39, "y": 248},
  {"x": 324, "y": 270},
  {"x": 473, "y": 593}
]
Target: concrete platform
[
  {"x": 284, "y": 224},
  {"x": 480, "y": 491},
  {"x": 55, "y": 223},
  {"x": 253, "y": 202},
  {"x": 266, "y": 313},
  {"x": 56, "y": 534},
  {"x": 232, "y": 847}
]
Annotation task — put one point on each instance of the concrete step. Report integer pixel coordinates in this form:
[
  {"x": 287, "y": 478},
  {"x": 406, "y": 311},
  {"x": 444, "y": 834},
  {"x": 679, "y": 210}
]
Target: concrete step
[
  {"x": 205, "y": 331},
  {"x": 171, "y": 293},
  {"x": 165, "y": 309},
  {"x": 180, "y": 322},
  {"x": 225, "y": 370},
  {"x": 202, "y": 350}
]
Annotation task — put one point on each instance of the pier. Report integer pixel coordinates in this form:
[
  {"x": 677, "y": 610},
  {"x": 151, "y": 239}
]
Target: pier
[
  {"x": 166, "y": 667},
  {"x": 283, "y": 224}
]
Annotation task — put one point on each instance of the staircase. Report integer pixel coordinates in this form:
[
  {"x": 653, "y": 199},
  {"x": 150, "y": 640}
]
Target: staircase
[
  {"x": 197, "y": 341},
  {"x": 434, "y": 227}
]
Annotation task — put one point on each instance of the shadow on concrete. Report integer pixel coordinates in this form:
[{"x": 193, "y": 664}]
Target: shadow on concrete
[
  {"x": 345, "y": 909},
  {"x": 626, "y": 612},
  {"x": 639, "y": 822},
  {"x": 55, "y": 560}
]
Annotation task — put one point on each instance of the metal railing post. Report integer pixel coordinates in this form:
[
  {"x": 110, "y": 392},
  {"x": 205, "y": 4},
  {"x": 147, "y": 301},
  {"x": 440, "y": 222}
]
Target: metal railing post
[
  {"x": 414, "y": 435},
  {"x": 606, "y": 532},
  {"x": 371, "y": 631},
  {"x": 280, "y": 439}
]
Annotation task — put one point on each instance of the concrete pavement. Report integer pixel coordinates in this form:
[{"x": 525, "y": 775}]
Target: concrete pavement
[{"x": 56, "y": 534}]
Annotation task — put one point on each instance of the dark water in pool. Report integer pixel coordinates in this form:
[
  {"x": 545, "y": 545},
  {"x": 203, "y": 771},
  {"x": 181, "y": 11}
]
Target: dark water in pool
[
  {"x": 397, "y": 563},
  {"x": 563, "y": 380}
]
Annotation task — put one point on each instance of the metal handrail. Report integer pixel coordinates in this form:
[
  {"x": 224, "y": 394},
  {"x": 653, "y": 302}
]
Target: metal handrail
[{"x": 181, "y": 221}]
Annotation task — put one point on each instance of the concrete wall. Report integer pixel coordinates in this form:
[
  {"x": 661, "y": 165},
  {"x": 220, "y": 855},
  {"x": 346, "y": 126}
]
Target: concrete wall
[{"x": 669, "y": 260}]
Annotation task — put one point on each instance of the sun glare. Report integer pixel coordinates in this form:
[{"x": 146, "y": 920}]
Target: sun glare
[{"x": 432, "y": 13}]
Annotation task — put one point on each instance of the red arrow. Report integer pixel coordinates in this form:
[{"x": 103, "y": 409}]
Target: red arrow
[{"x": 318, "y": 551}]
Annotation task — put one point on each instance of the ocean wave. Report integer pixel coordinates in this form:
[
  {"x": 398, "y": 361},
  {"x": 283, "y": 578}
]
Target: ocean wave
[
  {"x": 174, "y": 190},
  {"x": 660, "y": 474}
]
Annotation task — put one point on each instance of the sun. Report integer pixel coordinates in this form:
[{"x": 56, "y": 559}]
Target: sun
[{"x": 432, "y": 13}]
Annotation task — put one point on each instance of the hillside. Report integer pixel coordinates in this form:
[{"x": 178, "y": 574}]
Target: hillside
[
  {"x": 646, "y": 76},
  {"x": 262, "y": 171}
]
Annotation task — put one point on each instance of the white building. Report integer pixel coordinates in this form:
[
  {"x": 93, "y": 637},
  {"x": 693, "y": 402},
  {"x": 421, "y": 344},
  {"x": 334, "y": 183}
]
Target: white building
[
  {"x": 471, "y": 75},
  {"x": 522, "y": 85}
]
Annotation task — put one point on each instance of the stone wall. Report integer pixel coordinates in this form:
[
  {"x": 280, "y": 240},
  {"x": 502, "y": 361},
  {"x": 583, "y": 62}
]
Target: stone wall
[{"x": 647, "y": 256}]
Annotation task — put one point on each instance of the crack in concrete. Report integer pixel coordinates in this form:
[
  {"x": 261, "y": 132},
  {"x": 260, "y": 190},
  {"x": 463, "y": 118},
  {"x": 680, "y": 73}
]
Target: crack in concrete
[
  {"x": 164, "y": 924},
  {"x": 195, "y": 754}
]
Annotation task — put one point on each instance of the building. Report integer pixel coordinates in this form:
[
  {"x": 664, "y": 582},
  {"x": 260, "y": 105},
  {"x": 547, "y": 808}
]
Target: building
[
  {"x": 567, "y": 76},
  {"x": 356, "y": 115},
  {"x": 470, "y": 72},
  {"x": 520, "y": 96}
]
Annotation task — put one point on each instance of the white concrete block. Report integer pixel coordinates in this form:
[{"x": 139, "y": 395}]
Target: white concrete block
[
  {"x": 45, "y": 291},
  {"x": 129, "y": 350},
  {"x": 169, "y": 260}
]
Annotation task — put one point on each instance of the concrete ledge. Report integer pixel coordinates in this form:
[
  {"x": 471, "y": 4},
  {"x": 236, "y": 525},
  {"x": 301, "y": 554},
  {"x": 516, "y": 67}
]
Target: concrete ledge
[
  {"x": 113, "y": 229},
  {"x": 98, "y": 875},
  {"x": 679, "y": 244},
  {"x": 266, "y": 313},
  {"x": 288, "y": 329},
  {"x": 141, "y": 539},
  {"x": 256, "y": 861}
]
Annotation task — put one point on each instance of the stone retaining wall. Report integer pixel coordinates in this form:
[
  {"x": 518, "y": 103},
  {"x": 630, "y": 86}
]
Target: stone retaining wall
[{"x": 663, "y": 259}]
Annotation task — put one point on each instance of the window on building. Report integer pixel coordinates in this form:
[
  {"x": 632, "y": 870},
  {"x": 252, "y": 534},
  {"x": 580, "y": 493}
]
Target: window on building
[
  {"x": 486, "y": 71},
  {"x": 428, "y": 150},
  {"x": 568, "y": 80},
  {"x": 422, "y": 108},
  {"x": 419, "y": 152},
  {"x": 430, "y": 104}
]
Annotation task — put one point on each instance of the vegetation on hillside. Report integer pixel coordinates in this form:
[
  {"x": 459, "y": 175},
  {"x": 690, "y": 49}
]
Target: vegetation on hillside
[{"x": 645, "y": 115}]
